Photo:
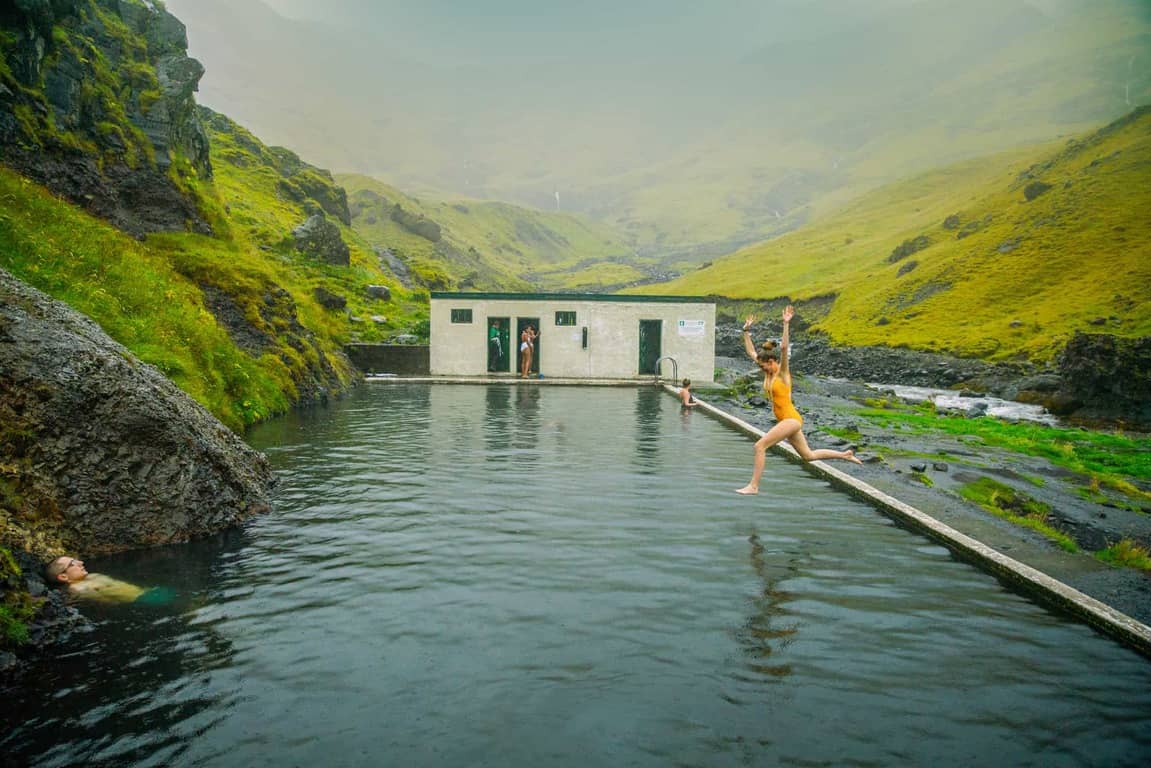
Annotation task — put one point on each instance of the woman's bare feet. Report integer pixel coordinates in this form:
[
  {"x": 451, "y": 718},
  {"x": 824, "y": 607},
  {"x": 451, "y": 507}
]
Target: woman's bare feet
[
  {"x": 748, "y": 490},
  {"x": 849, "y": 455}
]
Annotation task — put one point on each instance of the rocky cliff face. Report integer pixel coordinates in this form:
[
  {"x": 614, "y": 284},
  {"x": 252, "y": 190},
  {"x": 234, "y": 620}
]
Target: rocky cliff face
[
  {"x": 1107, "y": 377},
  {"x": 100, "y": 452},
  {"x": 96, "y": 103}
]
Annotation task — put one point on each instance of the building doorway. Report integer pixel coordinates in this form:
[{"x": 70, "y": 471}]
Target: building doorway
[
  {"x": 499, "y": 345},
  {"x": 521, "y": 323},
  {"x": 650, "y": 336}
]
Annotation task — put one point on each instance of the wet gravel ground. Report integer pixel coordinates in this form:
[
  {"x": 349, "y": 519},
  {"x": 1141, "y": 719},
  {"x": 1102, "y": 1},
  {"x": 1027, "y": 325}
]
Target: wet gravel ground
[{"x": 895, "y": 461}]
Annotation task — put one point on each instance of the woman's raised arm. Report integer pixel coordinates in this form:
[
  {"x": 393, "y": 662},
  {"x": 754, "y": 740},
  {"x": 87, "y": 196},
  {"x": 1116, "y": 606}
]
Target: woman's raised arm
[
  {"x": 785, "y": 346},
  {"x": 748, "y": 344}
]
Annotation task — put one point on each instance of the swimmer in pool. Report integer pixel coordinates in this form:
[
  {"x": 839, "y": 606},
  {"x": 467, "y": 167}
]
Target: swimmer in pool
[
  {"x": 70, "y": 572},
  {"x": 686, "y": 398},
  {"x": 772, "y": 360}
]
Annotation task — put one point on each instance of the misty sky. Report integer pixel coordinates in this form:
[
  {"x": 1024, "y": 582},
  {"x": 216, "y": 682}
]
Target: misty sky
[
  {"x": 648, "y": 106},
  {"x": 627, "y": 33}
]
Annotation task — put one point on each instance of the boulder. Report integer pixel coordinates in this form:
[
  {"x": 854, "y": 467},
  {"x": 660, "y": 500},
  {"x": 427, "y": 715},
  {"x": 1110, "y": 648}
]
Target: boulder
[
  {"x": 908, "y": 247},
  {"x": 101, "y": 450},
  {"x": 381, "y": 292},
  {"x": 329, "y": 300},
  {"x": 1108, "y": 376},
  {"x": 319, "y": 238},
  {"x": 1035, "y": 189}
]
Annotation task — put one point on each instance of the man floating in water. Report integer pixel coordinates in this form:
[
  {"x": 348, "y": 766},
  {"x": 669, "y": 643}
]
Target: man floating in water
[{"x": 70, "y": 572}]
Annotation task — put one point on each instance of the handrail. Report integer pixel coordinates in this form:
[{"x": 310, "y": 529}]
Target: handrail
[{"x": 674, "y": 368}]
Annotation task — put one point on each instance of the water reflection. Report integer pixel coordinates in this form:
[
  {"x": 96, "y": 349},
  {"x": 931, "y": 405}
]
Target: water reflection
[
  {"x": 767, "y": 631},
  {"x": 497, "y": 428},
  {"x": 526, "y": 430},
  {"x": 648, "y": 433}
]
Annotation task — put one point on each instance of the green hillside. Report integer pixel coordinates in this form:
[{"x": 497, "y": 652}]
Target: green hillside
[
  {"x": 1001, "y": 257},
  {"x": 165, "y": 297},
  {"x": 463, "y": 244}
]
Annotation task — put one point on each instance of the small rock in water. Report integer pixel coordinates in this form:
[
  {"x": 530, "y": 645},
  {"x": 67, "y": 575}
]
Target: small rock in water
[
  {"x": 918, "y": 467},
  {"x": 939, "y": 466}
]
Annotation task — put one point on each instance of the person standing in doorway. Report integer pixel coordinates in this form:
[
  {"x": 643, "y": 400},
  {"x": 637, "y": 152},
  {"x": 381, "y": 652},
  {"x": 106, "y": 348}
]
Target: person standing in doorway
[
  {"x": 772, "y": 360},
  {"x": 495, "y": 347},
  {"x": 527, "y": 350}
]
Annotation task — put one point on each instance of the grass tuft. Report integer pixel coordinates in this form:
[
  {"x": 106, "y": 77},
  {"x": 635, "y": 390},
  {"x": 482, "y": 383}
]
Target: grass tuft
[
  {"x": 1126, "y": 553},
  {"x": 1004, "y": 501}
]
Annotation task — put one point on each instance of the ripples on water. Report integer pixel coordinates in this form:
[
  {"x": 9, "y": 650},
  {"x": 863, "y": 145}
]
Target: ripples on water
[{"x": 463, "y": 575}]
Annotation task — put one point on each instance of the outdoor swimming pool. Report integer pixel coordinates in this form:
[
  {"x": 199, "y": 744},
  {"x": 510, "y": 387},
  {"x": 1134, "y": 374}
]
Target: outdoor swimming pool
[{"x": 529, "y": 576}]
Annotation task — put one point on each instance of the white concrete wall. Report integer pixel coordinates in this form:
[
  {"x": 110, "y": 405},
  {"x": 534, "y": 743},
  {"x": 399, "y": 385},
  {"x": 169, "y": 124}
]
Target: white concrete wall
[{"x": 613, "y": 336}]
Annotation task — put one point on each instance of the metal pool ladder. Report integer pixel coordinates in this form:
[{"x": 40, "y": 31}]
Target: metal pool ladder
[{"x": 674, "y": 369}]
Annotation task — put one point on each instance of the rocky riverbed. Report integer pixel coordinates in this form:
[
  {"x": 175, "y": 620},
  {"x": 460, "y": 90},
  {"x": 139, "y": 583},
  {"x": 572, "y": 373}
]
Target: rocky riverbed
[{"x": 928, "y": 469}]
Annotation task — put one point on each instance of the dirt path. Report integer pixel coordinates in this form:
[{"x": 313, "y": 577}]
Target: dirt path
[{"x": 927, "y": 471}]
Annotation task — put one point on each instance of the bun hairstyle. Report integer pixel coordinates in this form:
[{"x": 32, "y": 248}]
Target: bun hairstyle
[
  {"x": 686, "y": 383},
  {"x": 768, "y": 350}
]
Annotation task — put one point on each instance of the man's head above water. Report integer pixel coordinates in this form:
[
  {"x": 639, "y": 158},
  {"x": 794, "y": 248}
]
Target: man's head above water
[{"x": 65, "y": 570}]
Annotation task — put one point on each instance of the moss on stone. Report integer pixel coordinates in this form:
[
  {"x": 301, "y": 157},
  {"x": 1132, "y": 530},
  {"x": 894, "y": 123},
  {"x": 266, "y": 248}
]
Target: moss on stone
[{"x": 16, "y": 606}]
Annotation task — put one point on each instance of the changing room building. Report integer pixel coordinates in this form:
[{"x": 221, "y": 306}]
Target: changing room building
[{"x": 582, "y": 336}]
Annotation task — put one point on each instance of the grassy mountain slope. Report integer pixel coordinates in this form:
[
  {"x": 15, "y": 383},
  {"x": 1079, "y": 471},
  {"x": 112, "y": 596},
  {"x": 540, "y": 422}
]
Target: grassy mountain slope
[
  {"x": 487, "y": 245},
  {"x": 167, "y": 297},
  {"x": 1006, "y": 277}
]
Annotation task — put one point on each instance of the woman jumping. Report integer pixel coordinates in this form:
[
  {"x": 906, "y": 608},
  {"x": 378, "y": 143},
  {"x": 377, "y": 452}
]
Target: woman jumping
[{"x": 772, "y": 360}]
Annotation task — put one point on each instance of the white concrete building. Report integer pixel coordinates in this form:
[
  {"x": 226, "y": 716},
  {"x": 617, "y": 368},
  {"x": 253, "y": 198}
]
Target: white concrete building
[{"x": 586, "y": 336}]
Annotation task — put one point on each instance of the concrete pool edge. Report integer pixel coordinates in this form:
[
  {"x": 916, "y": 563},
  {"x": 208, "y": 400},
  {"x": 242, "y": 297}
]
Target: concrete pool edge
[{"x": 1051, "y": 591}]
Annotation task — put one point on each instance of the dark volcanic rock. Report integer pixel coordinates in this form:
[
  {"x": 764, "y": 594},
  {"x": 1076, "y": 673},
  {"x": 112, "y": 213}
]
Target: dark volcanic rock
[
  {"x": 416, "y": 224},
  {"x": 275, "y": 328},
  {"x": 1035, "y": 189},
  {"x": 102, "y": 452},
  {"x": 328, "y": 299},
  {"x": 1109, "y": 377},
  {"x": 103, "y": 128},
  {"x": 321, "y": 239},
  {"x": 908, "y": 247}
]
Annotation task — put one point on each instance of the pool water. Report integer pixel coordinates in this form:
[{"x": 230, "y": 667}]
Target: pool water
[{"x": 527, "y": 576}]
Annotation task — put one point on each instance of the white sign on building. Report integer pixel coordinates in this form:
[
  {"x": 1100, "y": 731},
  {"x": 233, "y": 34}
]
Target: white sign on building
[{"x": 692, "y": 327}]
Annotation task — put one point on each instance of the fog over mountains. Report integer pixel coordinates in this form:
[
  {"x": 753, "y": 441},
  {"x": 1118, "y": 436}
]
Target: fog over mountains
[{"x": 696, "y": 128}]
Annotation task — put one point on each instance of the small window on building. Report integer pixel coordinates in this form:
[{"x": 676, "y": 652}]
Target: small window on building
[
  {"x": 461, "y": 315},
  {"x": 565, "y": 318}
]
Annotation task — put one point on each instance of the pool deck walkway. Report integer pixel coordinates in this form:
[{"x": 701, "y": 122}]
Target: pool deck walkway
[{"x": 1048, "y": 590}]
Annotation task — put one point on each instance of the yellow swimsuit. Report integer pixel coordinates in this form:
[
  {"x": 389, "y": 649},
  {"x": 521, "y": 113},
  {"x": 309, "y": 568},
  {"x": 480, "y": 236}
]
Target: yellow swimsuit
[{"x": 781, "y": 404}]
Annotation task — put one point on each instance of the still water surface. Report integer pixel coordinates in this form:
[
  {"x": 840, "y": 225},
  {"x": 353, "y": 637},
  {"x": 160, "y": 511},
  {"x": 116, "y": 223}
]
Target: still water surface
[{"x": 529, "y": 576}]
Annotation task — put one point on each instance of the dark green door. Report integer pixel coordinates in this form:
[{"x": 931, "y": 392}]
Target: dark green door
[
  {"x": 499, "y": 339},
  {"x": 650, "y": 333}
]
